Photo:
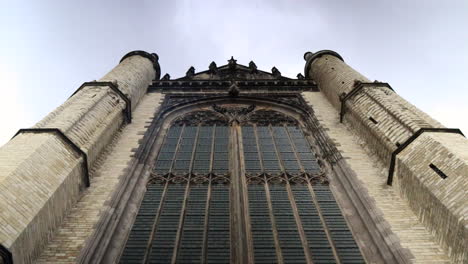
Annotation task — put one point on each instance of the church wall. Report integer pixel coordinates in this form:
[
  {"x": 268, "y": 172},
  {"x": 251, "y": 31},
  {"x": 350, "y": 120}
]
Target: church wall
[
  {"x": 33, "y": 198},
  {"x": 395, "y": 121},
  {"x": 442, "y": 197},
  {"x": 393, "y": 213},
  {"x": 107, "y": 174},
  {"x": 42, "y": 176}
]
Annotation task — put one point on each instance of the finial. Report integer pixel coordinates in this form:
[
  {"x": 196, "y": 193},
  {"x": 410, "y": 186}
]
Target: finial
[
  {"x": 300, "y": 76},
  {"x": 232, "y": 63},
  {"x": 253, "y": 67},
  {"x": 275, "y": 72},
  {"x": 190, "y": 72},
  {"x": 213, "y": 68},
  {"x": 166, "y": 77}
]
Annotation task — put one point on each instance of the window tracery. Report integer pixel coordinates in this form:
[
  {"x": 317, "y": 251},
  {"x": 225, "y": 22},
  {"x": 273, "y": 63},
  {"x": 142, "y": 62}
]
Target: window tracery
[{"x": 292, "y": 213}]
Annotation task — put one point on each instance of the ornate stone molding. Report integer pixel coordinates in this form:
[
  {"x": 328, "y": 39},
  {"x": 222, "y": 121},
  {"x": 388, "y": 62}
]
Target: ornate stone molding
[{"x": 234, "y": 113}]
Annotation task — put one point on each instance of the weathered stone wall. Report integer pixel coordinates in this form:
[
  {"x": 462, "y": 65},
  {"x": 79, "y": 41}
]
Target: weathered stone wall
[
  {"x": 393, "y": 210},
  {"x": 445, "y": 200},
  {"x": 41, "y": 175},
  {"x": 107, "y": 173},
  {"x": 394, "y": 121}
]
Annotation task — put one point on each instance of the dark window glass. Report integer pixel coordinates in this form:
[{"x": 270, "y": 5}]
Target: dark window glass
[
  {"x": 218, "y": 225},
  {"x": 164, "y": 237},
  {"x": 288, "y": 235},
  {"x": 278, "y": 162},
  {"x": 190, "y": 250},
  {"x": 139, "y": 235},
  {"x": 262, "y": 233},
  {"x": 221, "y": 142},
  {"x": 319, "y": 246},
  {"x": 346, "y": 247}
]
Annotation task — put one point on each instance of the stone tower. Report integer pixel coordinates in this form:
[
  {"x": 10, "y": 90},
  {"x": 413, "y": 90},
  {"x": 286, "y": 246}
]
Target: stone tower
[{"x": 234, "y": 165}]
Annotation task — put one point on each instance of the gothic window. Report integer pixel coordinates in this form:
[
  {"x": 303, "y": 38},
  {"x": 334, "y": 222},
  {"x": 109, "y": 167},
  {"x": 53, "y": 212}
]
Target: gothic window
[{"x": 210, "y": 158}]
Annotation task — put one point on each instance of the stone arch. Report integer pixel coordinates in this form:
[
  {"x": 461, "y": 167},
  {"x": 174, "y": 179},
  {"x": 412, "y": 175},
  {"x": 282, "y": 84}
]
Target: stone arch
[{"x": 299, "y": 112}]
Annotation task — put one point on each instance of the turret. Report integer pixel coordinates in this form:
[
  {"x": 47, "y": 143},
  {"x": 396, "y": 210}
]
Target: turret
[
  {"x": 426, "y": 161},
  {"x": 44, "y": 169}
]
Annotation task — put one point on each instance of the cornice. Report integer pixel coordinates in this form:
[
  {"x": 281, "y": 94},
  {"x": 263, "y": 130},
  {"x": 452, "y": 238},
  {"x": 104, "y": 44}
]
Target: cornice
[{"x": 266, "y": 85}]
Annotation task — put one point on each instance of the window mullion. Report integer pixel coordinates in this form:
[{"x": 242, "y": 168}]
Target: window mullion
[
  {"x": 176, "y": 150},
  {"x": 291, "y": 142},
  {"x": 259, "y": 153},
  {"x": 206, "y": 223},
  {"x": 297, "y": 218},
  {"x": 163, "y": 199},
  {"x": 244, "y": 194},
  {"x": 184, "y": 203},
  {"x": 212, "y": 149},
  {"x": 314, "y": 200},
  {"x": 324, "y": 224},
  {"x": 279, "y": 254}
]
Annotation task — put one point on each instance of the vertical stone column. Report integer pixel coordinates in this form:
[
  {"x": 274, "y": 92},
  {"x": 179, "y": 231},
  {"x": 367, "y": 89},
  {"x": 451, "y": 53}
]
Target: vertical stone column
[
  {"x": 44, "y": 169},
  {"x": 431, "y": 162}
]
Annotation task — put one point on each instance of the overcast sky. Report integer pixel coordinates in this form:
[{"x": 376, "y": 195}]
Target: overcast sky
[{"x": 49, "y": 48}]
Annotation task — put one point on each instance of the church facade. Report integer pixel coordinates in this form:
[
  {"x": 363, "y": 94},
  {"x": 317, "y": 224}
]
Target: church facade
[{"x": 235, "y": 165}]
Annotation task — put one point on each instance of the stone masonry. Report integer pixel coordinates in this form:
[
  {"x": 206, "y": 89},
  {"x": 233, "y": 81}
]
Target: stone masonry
[
  {"x": 372, "y": 175},
  {"x": 41, "y": 175},
  {"x": 385, "y": 121},
  {"x": 67, "y": 242}
]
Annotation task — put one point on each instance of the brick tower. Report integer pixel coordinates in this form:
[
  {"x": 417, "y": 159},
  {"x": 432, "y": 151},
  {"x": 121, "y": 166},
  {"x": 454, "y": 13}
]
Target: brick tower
[{"x": 234, "y": 165}]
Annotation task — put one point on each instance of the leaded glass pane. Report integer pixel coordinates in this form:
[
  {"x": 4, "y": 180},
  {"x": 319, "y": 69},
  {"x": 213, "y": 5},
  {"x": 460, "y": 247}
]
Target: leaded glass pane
[
  {"x": 262, "y": 233},
  {"x": 220, "y": 162},
  {"x": 185, "y": 150},
  {"x": 202, "y": 160},
  {"x": 278, "y": 149},
  {"x": 139, "y": 235},
  {"x": 347, "y": 249},
  {"x": 190, "y": 250},
  {"x": 288, "y": 234},
  {"x": 319, "y": 246},
  {"x": 218, "y": 226},
  {"x": 251, "y": 158},
  {"x": 304, "y": 152},
  {"x": 267, "y": 149},
  {"x": 164, "y": 237}
]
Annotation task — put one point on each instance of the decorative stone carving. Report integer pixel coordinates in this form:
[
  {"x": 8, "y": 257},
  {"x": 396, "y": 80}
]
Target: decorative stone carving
[
  {"x": 266, "y": 117},
  {"x": 205, "y": 117},
  {"x": 253, "y": 67},
  {"x": 213, "y": 69},
  {"x": 275, "y": 72},
  {"x": 233, "y": 113},
  {"x": 166, "y": 77},
  {"x": 190, "y": 72},
  {"x": 232, "y": 63}
]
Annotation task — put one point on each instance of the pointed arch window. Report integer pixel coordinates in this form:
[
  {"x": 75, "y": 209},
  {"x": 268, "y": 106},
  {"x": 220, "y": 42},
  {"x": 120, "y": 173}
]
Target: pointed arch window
[{"x": 238, "y": 183}]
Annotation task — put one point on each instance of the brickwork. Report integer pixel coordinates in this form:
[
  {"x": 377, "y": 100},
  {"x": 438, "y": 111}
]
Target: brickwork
[
  {"x": 33, "y": 197},
  {"x": 384, "y": 121},
  {"x": 80, "y": 223},
  {"x": 441, "y": 196},
  {"x": 396, "y": 118},
  {"x": 372, "y": 174},
  {"x": 40, "y": 176}
]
